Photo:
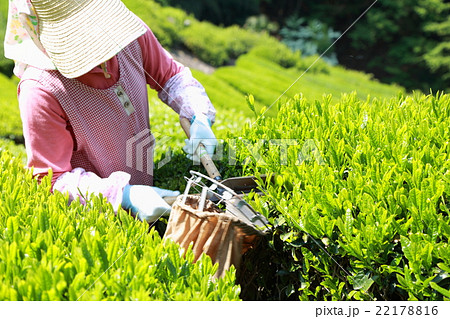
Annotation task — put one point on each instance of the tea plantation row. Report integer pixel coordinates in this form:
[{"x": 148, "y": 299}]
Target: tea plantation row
[
  {"x": 360, "y": 207},
  {"x": 361, "y": 199},
  {"x": 53, "y": 251},
  {"x": 360, "y": 204}
]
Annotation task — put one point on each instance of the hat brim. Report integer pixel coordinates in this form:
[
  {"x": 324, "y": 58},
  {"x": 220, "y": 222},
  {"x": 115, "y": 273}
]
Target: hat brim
[{"x": 88, "y": 36}]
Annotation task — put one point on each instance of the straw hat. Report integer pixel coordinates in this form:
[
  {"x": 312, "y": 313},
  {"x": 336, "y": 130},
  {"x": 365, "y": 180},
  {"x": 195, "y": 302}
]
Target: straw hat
[{"x": 78, "y": 35}]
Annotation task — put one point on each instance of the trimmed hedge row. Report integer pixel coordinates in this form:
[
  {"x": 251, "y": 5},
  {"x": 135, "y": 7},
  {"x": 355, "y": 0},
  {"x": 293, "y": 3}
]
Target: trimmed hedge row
[
  {"x": 50, "y": 250},
  {"x": 360, "y": 201}
]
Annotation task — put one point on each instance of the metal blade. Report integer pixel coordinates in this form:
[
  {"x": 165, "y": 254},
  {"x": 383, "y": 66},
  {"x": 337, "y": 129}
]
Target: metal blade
[
  {"x": 242, "y": 210},
  {"x": 243, "y": 184}
]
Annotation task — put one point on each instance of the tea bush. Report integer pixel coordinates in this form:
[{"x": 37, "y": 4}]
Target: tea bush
[
  {"x": 16, "y": 150},
  {"x": 267, "y": 81},
  {"x": 165, "y": 22},
  {"x": 10, "y": 124},
  {"x": 360, "y": 201},
  {"x": 223, "y": 95},
  {"x": 50, "y": 250},
  {"x": 278, "y": 53},
  {"x": 219, "y": 46},
  {"x": 206, "y": 42}
]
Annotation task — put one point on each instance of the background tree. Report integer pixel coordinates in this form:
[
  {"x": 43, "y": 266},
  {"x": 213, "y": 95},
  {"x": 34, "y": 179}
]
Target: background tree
[
  {"x": 220, "y": 12},
  {"x": 403, "y": 41},
  {"x": 438, "y": 58}
]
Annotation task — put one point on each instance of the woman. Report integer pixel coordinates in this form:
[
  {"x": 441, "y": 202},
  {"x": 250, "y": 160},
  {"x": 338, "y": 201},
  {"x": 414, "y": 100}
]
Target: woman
[{"x": 84, "y": 67}]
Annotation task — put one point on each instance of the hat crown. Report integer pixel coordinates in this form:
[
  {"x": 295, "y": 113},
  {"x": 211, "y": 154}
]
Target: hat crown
[
  {"x": 55, "y": 10},
  {"x": 81, "y": 34}
]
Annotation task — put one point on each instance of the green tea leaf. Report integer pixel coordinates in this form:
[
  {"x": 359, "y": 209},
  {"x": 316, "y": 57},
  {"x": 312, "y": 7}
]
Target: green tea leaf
[
  {"x": 362, "y": 281},
  {"x": 439, "y": 289}
]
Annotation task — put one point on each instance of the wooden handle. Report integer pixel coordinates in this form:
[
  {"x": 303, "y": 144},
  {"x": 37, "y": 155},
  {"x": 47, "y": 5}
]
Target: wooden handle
[
  {"x": 206, "y": 160},
  {"x": 186, "y": 125}
]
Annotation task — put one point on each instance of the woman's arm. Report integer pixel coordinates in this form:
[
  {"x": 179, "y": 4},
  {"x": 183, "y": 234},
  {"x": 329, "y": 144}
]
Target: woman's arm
[
  {"x": 50, "y": 143},
  {"x": 48, "y": 138},
  {"x": 175, "y": 84}
]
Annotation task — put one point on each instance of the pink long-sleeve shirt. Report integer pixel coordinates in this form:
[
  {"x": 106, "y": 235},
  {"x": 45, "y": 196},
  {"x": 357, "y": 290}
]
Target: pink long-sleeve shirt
[{"x": 49, "y": 136}]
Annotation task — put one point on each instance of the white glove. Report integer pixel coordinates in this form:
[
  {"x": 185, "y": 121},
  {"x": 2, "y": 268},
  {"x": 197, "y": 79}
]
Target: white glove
[
  {"x": 200, "y": 132},
  {"x": 146, "y": 201}
]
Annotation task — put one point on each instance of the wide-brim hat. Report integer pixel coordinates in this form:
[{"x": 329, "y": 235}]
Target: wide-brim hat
[{"x": 78, "y": 35}]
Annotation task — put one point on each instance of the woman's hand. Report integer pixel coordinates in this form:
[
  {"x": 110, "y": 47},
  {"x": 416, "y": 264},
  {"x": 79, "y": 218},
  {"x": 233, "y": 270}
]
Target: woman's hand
[
  {"x": 147, "y": 202},
  {"x": 200, "y": 132}
]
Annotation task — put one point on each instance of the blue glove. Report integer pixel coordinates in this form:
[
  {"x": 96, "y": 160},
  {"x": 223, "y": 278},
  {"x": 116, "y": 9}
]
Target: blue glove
[
  {"x": 200, "y": 132},
  {"x": 146, "y": 201}
]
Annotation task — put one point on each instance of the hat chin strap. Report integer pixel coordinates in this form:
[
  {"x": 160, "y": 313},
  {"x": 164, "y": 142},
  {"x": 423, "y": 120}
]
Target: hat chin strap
[{"x": 105, "y": 70}]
